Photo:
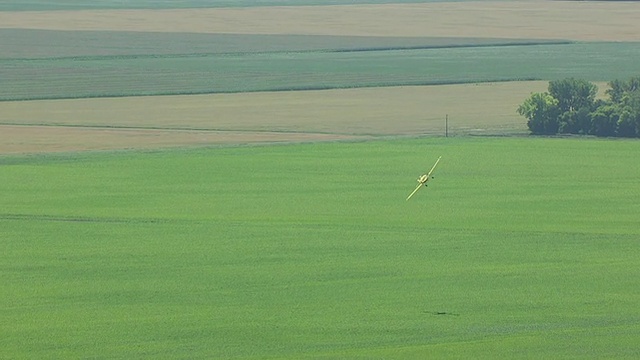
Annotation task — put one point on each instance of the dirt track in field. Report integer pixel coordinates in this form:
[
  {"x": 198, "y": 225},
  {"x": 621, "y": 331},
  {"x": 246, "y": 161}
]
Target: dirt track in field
[
  {"x": 573, "y": 20},
  {"x": 41, "y": 139}
]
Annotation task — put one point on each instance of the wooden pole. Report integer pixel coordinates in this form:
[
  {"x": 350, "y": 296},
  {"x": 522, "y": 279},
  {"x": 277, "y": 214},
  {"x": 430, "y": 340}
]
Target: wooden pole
[{"x": 446, "y": 126}]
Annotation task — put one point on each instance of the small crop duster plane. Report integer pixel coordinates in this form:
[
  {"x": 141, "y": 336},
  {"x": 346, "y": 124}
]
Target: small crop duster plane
[{"x": 422, "y": 180}]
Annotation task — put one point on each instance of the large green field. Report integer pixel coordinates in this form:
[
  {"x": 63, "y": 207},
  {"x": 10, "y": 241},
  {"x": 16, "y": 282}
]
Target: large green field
[
  {"x": 519, "y": 248},
  {"x": 342, "y": 65}
]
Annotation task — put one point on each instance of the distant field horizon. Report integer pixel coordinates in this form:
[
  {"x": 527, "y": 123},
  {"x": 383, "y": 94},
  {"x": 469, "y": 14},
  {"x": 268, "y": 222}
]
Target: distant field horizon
[
  {"x": 589, "y": 21},
  {"x": 34, "y": 5}
]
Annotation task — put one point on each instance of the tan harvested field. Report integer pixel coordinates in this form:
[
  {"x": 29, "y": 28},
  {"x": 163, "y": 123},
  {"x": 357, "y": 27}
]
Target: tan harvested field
[
  {"x": 573, "y": 20},
  {"x": 164, "y": 121},
  {"x": 379, "y": 111}
]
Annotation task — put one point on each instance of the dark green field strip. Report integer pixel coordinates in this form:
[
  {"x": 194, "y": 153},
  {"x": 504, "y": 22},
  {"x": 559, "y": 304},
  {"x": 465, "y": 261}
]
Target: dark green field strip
[
  {"x": 80, "y": 219},
  {"x": 25, "y": 44},
  {"x": 229, "y": 73},
  {"x": 18, "y": 5}
]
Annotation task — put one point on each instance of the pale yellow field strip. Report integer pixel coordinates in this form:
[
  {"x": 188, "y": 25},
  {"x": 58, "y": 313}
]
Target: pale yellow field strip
[
  {"x": 540, "y": 19},
  {"x": 203, "y": 120},
  {"x": 410, "y": 110},
  {"x": 46, "y": 139}
]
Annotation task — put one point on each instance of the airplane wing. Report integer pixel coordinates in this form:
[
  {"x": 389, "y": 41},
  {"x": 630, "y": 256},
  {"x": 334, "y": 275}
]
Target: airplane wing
[
  {"x": 434, "y": 166},
  {"x": 415, "y": 191}
]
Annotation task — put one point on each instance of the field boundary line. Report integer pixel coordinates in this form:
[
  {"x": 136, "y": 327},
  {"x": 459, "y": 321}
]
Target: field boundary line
[
  {"x": 280, "y": 89},
  {"x": 179, "y": 55}
]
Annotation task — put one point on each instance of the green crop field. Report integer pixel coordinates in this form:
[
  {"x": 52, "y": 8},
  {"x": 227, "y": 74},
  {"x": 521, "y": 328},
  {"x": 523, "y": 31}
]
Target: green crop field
[
  {"x": 28, "y": 44},
  {"x": 148, "y": 74},
  {"x": 519, "y": 248}
]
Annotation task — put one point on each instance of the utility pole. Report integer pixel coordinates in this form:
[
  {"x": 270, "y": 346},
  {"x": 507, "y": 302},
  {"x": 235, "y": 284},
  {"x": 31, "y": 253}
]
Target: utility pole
[{"x": 446, "y": 125}]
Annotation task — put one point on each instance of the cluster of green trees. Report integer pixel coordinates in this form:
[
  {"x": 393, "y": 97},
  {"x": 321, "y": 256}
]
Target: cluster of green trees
[{"x": 570, "y": 107}]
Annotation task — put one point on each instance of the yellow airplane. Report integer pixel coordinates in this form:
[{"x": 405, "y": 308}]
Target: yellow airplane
[{"x": 422, "y": 180}]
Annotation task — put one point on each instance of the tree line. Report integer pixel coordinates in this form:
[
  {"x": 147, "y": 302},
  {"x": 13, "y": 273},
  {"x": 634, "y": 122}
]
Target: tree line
[{"x": 569, "y": 106}]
